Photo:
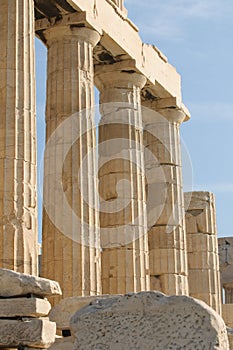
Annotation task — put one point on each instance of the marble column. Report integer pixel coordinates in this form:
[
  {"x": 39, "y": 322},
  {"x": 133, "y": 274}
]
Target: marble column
[
  {"x": 165, "y": 203},
  {"x": 71, "y": 251},
  {"x": 202, "y": 243},
  {"x": 125, "y": 265},
  {"x": 18, "y": 202}
]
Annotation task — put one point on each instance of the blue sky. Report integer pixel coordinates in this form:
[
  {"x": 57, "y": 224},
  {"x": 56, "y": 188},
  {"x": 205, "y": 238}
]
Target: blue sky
[{"x": 196, "y": 36}]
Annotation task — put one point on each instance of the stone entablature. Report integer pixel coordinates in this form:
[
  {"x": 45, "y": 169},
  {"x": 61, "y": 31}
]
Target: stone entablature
[{"x": 119, "y": 41}]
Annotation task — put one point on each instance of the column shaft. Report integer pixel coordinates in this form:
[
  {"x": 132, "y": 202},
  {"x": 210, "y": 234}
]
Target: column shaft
[
  {"x": 165, "y": 205},
  {"x": 71, "y": 253},
  {"x": 18, "y": 203},
  {"x": 123, "y": 220},
  {"x": 202, "y": 243}
]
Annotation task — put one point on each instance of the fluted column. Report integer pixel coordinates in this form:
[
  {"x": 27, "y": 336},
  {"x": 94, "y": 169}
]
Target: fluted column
[
  {"x": 122, "y": 181},
  {"x": 18, "y": 203},
  {"x": 165, "y": 203},
  {"x": 71, "y": 253},
  {"x": 202, "y": 243}
]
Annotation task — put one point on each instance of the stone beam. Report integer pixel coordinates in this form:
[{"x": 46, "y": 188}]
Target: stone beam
[{"x": 121, "y": 40}]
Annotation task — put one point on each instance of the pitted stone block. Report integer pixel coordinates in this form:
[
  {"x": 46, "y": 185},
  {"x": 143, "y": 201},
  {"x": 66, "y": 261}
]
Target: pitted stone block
[{"x": 149, "y": 320}]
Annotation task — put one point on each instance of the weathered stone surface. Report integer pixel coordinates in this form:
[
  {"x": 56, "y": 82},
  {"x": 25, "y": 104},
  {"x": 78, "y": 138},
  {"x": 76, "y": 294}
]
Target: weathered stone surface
[
  {"x": 24, "y": 307},
  {"x": 63, "y": 344},
  {"x": 13, "y": 284},
  {"x": 38, "y": 333},
  {"x": 149, "y": 320},
  {"x": 227, "y": 314},
  {"x": 62, "y": 312}
]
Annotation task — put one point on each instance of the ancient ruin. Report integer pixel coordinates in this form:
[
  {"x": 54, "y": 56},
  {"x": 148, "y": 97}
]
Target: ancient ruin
[
  {"x": 136, "y": 324},
  {"x": 115, "y": 217}
]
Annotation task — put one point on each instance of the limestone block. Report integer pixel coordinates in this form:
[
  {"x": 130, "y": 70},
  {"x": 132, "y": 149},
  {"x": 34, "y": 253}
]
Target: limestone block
[
  {"x": 63, "y": 344},
  {"x": 174, "y": 284},
  {"x": 198, "y": 200},
  {"x": 14, "y": 284},
  {"x": 201, "y": 260},
  {"x": 227, "y": 314},
  {"x": 112, "y": 166},
  {"x": 200, "y": 278},
  {"x": 24, "y": 307},
  {"x": 149, "y": 320},
  {"x": 38, "y": 333},
  {"x": 159, "y": 237},
  {"x": 62, "y": 312},
  {"x": 198, "y": 242},
  {"x": 164, "y": 261},
  {"x": 200, "y": 212}
]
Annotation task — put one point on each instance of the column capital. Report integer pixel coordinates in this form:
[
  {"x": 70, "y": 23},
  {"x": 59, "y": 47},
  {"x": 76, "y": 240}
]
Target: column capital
[
  {"x": 121, "y": 74},
  {"x": 172, "y": 114},
  {"x": 169, "y": 108},
  {"x": 81, "y": 33},
  {"x": 228, "y": 286},
  {"x": 156, "y": 116}
]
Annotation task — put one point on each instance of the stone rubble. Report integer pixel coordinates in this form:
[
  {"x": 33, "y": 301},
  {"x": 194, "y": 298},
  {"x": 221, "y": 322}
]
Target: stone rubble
[{"x": 24, "y": 310}]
